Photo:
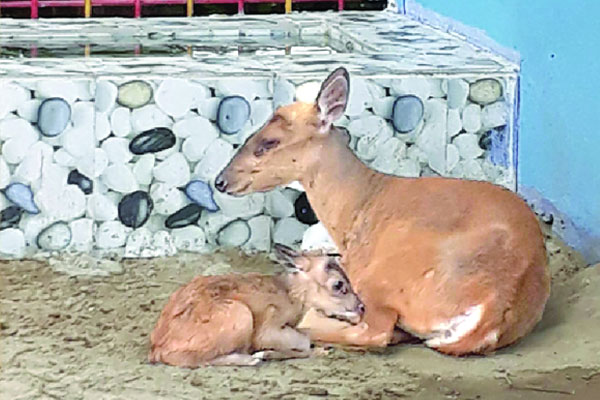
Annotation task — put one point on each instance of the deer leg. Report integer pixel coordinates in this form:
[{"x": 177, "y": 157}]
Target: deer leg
[
  {"x": 376, "y": 330},
  {"x": 235, "y": 359}
]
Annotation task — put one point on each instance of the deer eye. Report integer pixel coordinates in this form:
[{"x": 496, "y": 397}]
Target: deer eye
[
  {"x": 340, "y": 287},
  {"x": 276, "y": 118},
  {"x": 265, "y": 146}
]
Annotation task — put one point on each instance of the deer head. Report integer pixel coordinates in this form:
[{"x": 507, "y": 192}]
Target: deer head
[{"x": 288, "y": 147}]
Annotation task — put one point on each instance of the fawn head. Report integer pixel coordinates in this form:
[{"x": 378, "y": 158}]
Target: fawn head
[{"x": 320, "y": 283}]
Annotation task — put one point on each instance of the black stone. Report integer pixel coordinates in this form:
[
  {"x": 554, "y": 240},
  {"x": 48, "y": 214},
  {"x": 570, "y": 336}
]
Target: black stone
[
  {"x": 304, "y": 212},
  {"x": 10, "y": 217},
  {"x": 485, "y": 141},
  {"x": 83, "y": 182},
  {"x": 152, "y": 141},
  {"x": 188, "y": 215},
  {"x": 135, "y": 209}
]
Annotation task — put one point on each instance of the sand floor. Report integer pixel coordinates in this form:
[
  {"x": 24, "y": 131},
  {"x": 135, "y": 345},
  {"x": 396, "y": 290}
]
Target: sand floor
[{"x": 66, "y": 337}]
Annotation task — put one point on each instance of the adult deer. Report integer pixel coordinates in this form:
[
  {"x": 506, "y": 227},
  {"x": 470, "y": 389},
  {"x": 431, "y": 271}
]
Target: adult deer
[{"x": 460, "y": 264}]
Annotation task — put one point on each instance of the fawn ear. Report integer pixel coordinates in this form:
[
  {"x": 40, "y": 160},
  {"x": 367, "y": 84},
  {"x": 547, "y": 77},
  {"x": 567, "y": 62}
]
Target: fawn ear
[
  {"x": 333, "y": 98},
  {"x": 286, "y": 256}
]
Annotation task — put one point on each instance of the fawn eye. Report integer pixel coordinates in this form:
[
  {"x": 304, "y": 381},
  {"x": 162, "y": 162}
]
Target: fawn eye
[{"x": 340, "y": 287}]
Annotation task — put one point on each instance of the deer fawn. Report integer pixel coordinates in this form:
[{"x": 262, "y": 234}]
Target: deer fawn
[
  {"x": 227, "y": 320},
  {"x": 460, "y": 264}
]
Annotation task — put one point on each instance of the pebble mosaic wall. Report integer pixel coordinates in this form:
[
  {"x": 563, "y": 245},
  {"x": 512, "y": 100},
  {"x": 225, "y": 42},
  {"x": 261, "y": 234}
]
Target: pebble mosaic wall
[{"x": 118, "y": 157}]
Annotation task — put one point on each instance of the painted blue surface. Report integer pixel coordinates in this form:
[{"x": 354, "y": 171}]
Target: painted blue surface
[{"x": 559, "y": 135}]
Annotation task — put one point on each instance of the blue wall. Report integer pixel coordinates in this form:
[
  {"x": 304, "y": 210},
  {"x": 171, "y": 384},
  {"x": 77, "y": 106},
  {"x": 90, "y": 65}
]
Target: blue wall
[{"x": 559, "y": 147}]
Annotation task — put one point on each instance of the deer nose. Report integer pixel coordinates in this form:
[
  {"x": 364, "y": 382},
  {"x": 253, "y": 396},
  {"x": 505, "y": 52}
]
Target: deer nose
[{"x": 220, "y": 184}]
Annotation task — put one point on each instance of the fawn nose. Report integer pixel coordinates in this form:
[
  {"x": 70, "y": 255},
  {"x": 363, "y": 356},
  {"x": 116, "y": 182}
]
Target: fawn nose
[
  {"x": 220, "y": 184},
  {"x": 361, "y": 309}
]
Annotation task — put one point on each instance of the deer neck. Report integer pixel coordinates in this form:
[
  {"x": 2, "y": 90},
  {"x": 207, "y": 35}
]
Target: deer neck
[{"x": 339, "y": 188}]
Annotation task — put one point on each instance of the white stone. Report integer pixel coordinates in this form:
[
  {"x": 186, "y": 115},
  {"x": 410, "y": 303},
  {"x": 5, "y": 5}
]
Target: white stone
[
  {"x": 174, "y": 96},
  {"x": 138, "y": 241},
  {"x": 308, "y": 91},
  {"x": 212, "y": 223},
  {"x": 106, "y": 96},
  {"x": 472, "y": 170},
  {"x": 283, "y": 92},
  {"x": 118, "y": 177},
  {"x": 93, "y": 165},
  {"x": 383, "y": 106},
  {"x": 82, "y": 231},
  {"x": 148, "y": 117},
  {"x": 31, "y": 225},
  {"x": 102, "y": 126},
  {"x": 175, "y": 170},
  {"x": 416, "y": 86},
  {"x": 452, "y": 157},
  {"x": 195, "y": 146},
  {"x": 101, "y": 207},
  {"x": 13, "y": 127},
  {"x": 142, "y": 169},
  {"x": 4, "y": 173},
  {"x": 408, "y": 169},
  {"x": 53, "y": 176},
  {"x": 432, "y": 139},
  {"x": 11, "y": 97},
  {"x": 3, "y": 201},
  {"x": 12, "y": 242},
  {"x": 30, "y": 169},
  {"x": 217, "y": 156},
  {"x": 19, "y": 136},
  {"x": 454, "y": 124},
  {"x": 63, "y": 158},
  {"x": 194, "y": 125},
  {"x": 370, "y": 125},
  {"x": 208, "y": 108},
  {"x": 360, "y": 97},
  {"x": 117, "y": 150},
  {"x": 471, "y": 118},
  {"x": 316, "y": 237},
  {"x": 277, "y": 205},
  {"x": 111, "y": 234},
  {"x": 261, "y": 111},
  {"x": 458, "y": 91},
  {"x": 260, "y": 233},
  {"x": 64, "y": 88},
  {"x": 189, "y": 238},
  {"x": 494, "y": 115},
  {"x": 120, "y": 121},
  {"x": 468, "y": 146},
  {"x": 199, "y": 92},
  {"x": 436, "y": 88},
  {"x": 28, "y": 110},
  {"x": 79, "y": 142},
  {"x": 248, "y": 88},
  {"x": 240, "y": 207},
  {"x": 234, "y": 234},
  {"x": 167, "y": 199},
  {"x": 289, "y": 232},
  {"x": 390, "y": 153},
  {"x": 55, "y": 237},
  {"x": 85, "y": 88},
  {"x": 66, "y": 203}
]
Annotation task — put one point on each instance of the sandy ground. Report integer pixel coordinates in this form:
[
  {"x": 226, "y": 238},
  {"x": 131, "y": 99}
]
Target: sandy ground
[{"x": 65, "y": 337}]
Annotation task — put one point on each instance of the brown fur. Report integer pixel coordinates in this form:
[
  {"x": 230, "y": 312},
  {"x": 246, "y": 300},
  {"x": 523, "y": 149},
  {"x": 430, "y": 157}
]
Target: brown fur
[
  {"x": 419, "y": 251},
  {"x": 213, "y": 317}
]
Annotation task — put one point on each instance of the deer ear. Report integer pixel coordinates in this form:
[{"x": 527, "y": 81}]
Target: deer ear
[
  {"x": 286, "y": 255},
  {"x": 333, "y": 98}
]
